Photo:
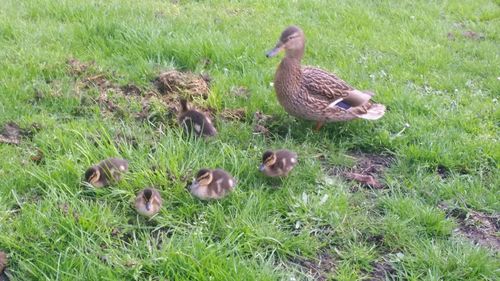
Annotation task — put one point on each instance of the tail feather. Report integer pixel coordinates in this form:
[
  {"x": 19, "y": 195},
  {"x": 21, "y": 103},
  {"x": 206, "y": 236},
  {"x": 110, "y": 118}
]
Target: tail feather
[
  {"x": 357, "y": 97},
  {"x": 376, "y": 111}
]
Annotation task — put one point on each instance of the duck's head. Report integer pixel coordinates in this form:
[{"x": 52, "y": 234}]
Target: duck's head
[
  {"x": 93, "y": 175},
  {"x": 204, "y": 177},
  {"x": 268, "y": 159},
  {"x": 147, "y": 196},
  {"x": 292, "y": 40}
]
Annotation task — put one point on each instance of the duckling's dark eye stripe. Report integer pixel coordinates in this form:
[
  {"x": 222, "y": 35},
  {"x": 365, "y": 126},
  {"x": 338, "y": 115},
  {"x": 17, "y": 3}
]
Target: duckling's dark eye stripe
[{"x": 205, "y": 176}]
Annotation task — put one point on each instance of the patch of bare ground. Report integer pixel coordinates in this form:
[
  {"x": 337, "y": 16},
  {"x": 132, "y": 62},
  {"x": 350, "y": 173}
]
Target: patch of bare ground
[
  {"x": 181, "y": 83},
  {"x": 37, "y": 156},
  {"x": 158, "y": 105},
  {"x": 109, "y": 92},
  {"x": 260, "y": 123},
  {"x": 367, "y": 170},
  {"x": 240, "y": 91},
  {"x": 233, "y": 114},
  {"x": 442, "y": 171},
  {"x": 12, "y": 133},
  {"x": 480, "y": 228},
  {"x": 320, "y": 269},
  {"x": 461, "y": 29},
  {"x": 382, "y": 270}
]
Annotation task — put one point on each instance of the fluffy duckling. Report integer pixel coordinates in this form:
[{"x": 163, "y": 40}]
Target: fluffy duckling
[
  {"x": 148, "y": 202},
  {"x": 195, "y": 121},
  {"x": 106, "y": 172},
  {"x": 212, "y": 184},
  {"x": 278, "y": 163}
]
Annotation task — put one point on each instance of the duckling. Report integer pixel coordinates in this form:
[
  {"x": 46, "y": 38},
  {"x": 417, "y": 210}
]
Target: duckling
[
  {"x": 106, "y": 172},
  {"x": 3, "y": 264},
  {"x": 278, "y": 163},
  {"x": 195, "y": 121},
  {"x": 314, "y": 94},
  {"x": 148, "y": 202},
  {"x": 212, "y": 184}
]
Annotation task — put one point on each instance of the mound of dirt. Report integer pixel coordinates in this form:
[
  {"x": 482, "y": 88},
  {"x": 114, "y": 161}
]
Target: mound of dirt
[
  {"x": 367, "y": 171},
  {"x": 12, "y": 133},
  {"x": 181, "y": 83},
  {"x": 480, "y": 228},
  {"x": 261, "y": 122},
  {"x": 236, "y": 114},
  {"x": 319, "y": 269},
  {"x": 382, "y": 270}
]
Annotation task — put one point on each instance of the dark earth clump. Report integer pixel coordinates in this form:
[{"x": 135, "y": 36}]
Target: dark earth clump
[
  {"x": 181, "y": 83},
  {"x": 368, "y": 169},
  {"x": 233, "y": 114},
  {"x": 12, "y": 133},
  {"x": 480, "y": 228},
  {"x": 442, "y": 171},
  {"x": 382, "y": 270},
  {"x": 261, "y": 122},
  {"x": 319, "y": 269}
]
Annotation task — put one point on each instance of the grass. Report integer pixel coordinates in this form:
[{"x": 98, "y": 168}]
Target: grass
[{"x": 413, "y": 54}]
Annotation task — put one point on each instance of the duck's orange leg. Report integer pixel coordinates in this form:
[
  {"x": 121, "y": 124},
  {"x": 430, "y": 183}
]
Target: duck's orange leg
[{"x": 319, "y": 124}]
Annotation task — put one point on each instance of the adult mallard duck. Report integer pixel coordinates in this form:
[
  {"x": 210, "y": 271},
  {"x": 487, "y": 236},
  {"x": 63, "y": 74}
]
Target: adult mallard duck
[{"x": 314, "y": 94}]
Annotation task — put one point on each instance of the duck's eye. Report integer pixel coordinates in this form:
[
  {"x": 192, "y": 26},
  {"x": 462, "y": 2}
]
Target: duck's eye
[{"x": 203, "y": 177}]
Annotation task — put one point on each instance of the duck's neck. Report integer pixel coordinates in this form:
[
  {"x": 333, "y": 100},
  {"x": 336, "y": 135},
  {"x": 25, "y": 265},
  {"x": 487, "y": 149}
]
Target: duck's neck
[{"x": 289, "y": 75}]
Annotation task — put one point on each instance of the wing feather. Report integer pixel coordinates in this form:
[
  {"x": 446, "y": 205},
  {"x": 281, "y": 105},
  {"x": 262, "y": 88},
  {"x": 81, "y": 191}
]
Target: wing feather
[{"x": 323, "y": 85}]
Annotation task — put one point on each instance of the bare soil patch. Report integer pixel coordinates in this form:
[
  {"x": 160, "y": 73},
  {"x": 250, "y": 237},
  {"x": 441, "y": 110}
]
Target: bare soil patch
[
  {"x": 461, "y": 29},
  {"x": 233, "y": 114},
  {"x": 261, "y": 122},
  {"x": 181, "y": 83},
  {"x": 382, "y": 270},
  {"x": 240, "y": 91},
  {"x": 37, "y": 156},
  {"x": 480, "y": 228},
  {"x": 473, "y": 35},
  {"x": 442, "y": 171},
  {"x": 12, "y": 134},
  {"x": 367, "y": 170},
  {"x": 319, "y": 269}
]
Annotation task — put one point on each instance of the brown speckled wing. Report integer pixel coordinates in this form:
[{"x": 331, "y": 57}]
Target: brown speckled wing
[{"x": 323, "y": 85}]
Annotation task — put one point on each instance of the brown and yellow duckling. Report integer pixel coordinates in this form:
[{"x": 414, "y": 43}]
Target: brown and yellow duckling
[
  {"x": 148, "y": 202},
  {"x": 193, "y": 121},
  {"x": 106, "y": 172},
  {"x": 212, "y": 184},
  {"x": 314, "y": 94},
  {"x": 278, "y": 163}
]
